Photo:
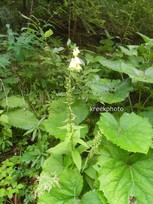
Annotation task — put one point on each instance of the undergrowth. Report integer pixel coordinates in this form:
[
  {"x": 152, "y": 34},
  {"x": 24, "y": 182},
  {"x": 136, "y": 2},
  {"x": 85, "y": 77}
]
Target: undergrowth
[{"x": 75, "y": 125}]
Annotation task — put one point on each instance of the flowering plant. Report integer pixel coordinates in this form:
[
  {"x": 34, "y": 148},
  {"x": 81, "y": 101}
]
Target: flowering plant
[{"x": 76, "y": 62}]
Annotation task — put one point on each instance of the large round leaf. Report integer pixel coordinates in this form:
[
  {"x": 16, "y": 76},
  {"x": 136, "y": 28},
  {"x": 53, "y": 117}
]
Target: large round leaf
[
  {"x": 125, "y": 178},
  {"x": 132, "y": 132},
  {"x": 128, "y": 68},
  {"x": 110, "y": 91},
  {"x": 23, "y": 119}
]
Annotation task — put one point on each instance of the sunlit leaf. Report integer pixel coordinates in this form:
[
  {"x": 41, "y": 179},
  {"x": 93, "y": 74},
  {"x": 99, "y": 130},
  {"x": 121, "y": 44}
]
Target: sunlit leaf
[
  {"x": 132, "y": 132},
  {"x": 124, "y": 177},
  {"x": 48, "y": 33},
  {"x": 77, "y": 159}
]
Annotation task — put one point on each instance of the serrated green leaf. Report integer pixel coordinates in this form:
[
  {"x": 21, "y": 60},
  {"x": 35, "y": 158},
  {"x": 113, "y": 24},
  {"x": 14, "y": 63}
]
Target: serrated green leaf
[
  {"x": 11, "y": 80},
  {"x": 20, "y": 186},
  {"x": 23, "y": 119},
  {"x": 77, "y": 159},
  {"x": 61, "y": 148},
  {"x": 90, "y": 197},
  {"x": 4, "y": 119},
  {"x": 47, "y": 198},
  {"x": 110, "y": 91},
  {"x": 58, "y": 115},
  {"x": 13, "y": 102},
  {"x": 4, "y": 61},
  {"x": 132, "y": 133},
  {"x": 48, "y": 33},
  {"x": 148, "y": 114},
  {"x": 52, "y": 165},
  {"x": 124, "y": 177},
  {"x": 70, "y": 182}
]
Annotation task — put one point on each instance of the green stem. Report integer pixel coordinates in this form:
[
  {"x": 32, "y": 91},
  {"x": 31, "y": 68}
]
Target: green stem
[
  {"x": 69, "y": 19},
  {"x": 139, "y": 100},
  {"x": 131, "y": 106},
  {"x": 147, "y": 100},
  {"x": 129, "y": 98},
  {"x": 3, "y": 87},
  {"x": 69, "y": 108},
  {"x": 94, "y": 150}
]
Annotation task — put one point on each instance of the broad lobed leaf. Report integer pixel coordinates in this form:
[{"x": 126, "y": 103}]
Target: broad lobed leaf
[
  {"x": 132, "y": 133},
  {"x": 124, "y": 177},
  {"x": 110, "y": 91}
]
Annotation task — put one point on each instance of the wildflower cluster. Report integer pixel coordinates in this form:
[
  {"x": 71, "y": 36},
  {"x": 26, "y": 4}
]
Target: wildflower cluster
[{"x": 46, "y": 183}]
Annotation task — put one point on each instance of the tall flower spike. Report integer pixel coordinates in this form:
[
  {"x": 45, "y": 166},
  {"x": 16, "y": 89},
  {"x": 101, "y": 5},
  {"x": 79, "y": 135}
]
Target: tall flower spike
[{"x": 76, "y": 62}]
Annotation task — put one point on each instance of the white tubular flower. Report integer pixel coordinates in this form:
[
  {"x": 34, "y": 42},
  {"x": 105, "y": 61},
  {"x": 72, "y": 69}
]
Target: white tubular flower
[
  {"x": 76, "y": 52},
  {"x": 75, "y": 64}
]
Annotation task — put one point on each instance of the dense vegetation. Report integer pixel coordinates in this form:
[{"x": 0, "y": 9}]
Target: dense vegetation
[{"x": 76, "y": 113}]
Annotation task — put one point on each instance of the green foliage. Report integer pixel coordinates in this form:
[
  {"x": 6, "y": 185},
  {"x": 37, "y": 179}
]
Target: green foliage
[
  {"x": 77, "y": 159},
  {"x": 110, "y": 91},
  {"x": 55, "y": 145},
  {"x": 121, "y": 172},
  {"x": 58, "y": 109},
  {"x": 12, "y": 102},
  {"x": 35, "y": 154},
  {"x": 6, "y": 132},
  {"x": 8, "y": 183},
  {"x": 125, "y": 18},
  {"x": 3, "y": 61},
  {"x": 69, "y": 190},
  {"x": 90, "y": 197},
  {"x": 124, "y": 176},
  {"x": 129, "y": 133},
  {"x": 72, "y": 19},
  {"x": 26, "y": 122},
  {"x": 62, "y": 188},
  {"x": 85, "y": 22}
]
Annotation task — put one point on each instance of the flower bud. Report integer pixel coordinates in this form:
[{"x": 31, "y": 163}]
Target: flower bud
[{"x": 76, "y": 52}]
